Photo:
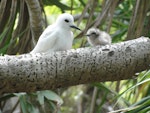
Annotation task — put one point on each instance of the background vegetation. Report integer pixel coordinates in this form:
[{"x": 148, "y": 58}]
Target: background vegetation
[{"x": 22, "y": 22}]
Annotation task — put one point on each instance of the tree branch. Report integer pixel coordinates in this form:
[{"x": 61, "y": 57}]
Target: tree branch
[
  {"x": 36, "y": 21},
  {"x": 32, "y": 72}
]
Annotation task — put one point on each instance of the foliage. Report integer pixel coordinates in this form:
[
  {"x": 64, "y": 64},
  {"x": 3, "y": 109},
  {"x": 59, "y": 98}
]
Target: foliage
[{"x": 20, "y": 27}]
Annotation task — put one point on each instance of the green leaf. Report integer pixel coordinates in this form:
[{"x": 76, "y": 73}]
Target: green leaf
[
  {"x": 132, "y": 87},
  {"x": 3, "y": 34},
  {"x": 145, "y": 110},
  {"x": 142, "y": 101},
  {"x": 19, "y": 94},
  {"x": 31, "y": 108},
  {"x": 57, "y": 3},
  {"x": 23, "y": 104},
  {"x": 119, "y": 96},
  {"x": 50, "y": 96},
  {"x": 40, "y": 97},
  {"x": 141, "y": 106},
  {"x": 5, "y": 97}
]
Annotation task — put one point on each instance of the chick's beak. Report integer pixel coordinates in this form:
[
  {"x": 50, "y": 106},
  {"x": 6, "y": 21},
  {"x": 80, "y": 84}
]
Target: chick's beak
[
  {"x": 87, "y": 34},
  {"x": 73, "y": 26}
]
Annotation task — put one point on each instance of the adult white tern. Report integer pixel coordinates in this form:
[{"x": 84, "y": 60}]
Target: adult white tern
[{"x": 56, "y": 37}]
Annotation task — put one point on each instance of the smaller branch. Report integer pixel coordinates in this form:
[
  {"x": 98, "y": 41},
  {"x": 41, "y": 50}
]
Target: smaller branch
[
  {"x": 85, "y": 16},
  {"x": 137, "y": 25},
  {"x": 2, "y": 9},
  {"x": 93, "y": 99},
  {"x": 36, "y": 20},
  {"x": 17, "y": 103},
  {"x": 80, "y": 17}
]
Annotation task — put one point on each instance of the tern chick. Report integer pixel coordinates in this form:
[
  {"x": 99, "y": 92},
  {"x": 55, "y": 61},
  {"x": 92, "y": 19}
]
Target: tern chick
[
  {"x": 56, "y": 37},
  {"x": 96, "y": 37}
]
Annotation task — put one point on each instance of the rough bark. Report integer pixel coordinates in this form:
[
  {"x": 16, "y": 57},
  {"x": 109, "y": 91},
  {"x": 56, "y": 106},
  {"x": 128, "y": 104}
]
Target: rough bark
[{"x": 32, "y": 72}]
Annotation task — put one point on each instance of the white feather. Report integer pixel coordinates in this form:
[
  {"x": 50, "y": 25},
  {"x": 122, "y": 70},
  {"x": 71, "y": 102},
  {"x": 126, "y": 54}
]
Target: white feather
[{"x": 56, "y": 37}]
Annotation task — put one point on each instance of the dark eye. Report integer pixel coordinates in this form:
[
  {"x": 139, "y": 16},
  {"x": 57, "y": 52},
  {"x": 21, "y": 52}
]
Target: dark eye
[
  {"x": 66, "y": 20},
  {"x": 93, "y": 33}
]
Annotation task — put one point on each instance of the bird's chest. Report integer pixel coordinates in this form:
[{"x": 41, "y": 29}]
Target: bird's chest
[
  {"x": 64, "y": 41},
  {"x": 93, "y": 41}
]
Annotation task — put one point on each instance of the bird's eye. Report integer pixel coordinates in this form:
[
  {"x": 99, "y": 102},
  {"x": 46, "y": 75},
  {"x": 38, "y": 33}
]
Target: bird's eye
[
  {"x": 93, "y": 33},
  {"x": 66, "y": 20}
]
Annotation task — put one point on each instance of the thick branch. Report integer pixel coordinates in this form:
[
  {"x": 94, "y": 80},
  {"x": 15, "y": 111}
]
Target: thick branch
[{"x": 26, "y": 73}]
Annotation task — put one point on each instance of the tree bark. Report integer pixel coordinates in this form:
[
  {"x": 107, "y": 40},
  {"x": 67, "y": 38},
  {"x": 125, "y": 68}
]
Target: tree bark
[{"x": 32, "y": 72}]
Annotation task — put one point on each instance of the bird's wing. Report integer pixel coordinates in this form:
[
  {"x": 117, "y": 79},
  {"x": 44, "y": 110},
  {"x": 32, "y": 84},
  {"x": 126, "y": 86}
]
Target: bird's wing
[
  {"x": 50, "y": 29},
  {"x": 108, "y": 38},
  {"x": 104, "y": 38},
  {"x": 46, "y": 41}
]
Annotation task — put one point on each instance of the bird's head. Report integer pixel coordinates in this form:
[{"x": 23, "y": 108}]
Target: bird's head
[
  {"x": 66, "y": 21},
  {"x": 93, "y": 33}
]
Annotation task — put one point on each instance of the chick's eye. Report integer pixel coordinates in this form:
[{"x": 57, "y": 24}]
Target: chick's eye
[
  {"x": 66, "y": 20},
  {"x": 93, "y": 33}
]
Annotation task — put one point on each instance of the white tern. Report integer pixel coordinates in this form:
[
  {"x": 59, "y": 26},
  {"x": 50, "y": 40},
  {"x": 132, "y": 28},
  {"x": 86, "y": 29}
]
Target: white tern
[
  {"x": 96, "y": 37},
  {"x": 56, "y": 37}
]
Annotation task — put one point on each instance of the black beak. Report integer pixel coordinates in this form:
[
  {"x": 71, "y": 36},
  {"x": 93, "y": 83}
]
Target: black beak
[
  {"x": 72, "y": 26},
  {"x": 87, "y": 34}
]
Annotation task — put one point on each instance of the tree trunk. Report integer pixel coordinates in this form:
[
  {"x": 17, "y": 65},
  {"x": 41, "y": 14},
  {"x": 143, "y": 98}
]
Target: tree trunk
[{"x": 32, "y": 72}]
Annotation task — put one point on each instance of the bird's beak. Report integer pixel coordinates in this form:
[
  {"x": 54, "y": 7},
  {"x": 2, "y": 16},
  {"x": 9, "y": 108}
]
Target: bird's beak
[
  {"x": 73, "y": 26},
  {"x": 87, "y": 34}
]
